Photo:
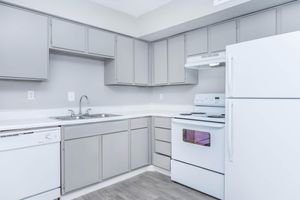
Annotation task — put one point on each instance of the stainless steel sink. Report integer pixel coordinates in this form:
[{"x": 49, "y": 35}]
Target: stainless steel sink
[{"x": 90, "y": 116}]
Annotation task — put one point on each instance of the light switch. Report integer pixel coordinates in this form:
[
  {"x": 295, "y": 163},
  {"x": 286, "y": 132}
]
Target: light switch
[
  {"x": 71, "y": 96},
  {"x": 30, "y": 95}
]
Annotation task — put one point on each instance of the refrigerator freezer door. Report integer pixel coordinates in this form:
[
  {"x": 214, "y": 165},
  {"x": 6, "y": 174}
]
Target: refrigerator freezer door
[
  {"x": 262, "y": 149},
  {"x": 264, "y": 68}
]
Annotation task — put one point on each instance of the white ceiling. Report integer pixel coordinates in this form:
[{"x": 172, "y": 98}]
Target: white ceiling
[{"x": 134, "y": 8}]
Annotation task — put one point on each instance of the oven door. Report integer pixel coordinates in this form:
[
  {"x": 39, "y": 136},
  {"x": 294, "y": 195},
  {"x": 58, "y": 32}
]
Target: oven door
[{"x": 198, "y": 143}]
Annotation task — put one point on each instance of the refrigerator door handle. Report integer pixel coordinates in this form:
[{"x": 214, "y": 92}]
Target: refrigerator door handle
[
  {"x": 230, "y": 135},
  {"x": 230, "y": 71}
]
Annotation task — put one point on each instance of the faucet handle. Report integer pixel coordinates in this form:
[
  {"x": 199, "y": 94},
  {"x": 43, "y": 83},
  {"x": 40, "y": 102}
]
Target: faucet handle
[
  {"x": 72, "y": 112},
  {"x": 87, "y": 112}
]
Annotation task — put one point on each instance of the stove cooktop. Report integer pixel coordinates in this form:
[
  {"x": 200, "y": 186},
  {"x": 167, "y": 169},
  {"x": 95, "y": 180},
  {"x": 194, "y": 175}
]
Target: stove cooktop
[{"x": 202, "y": 116}]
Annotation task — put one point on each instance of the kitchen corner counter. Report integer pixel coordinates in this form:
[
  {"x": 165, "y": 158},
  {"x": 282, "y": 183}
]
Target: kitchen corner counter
[{"x": 47, "y": 121}]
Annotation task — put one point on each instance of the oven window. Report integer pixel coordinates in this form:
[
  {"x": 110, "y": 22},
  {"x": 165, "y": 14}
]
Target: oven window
[{"x": 196, "y": 137}]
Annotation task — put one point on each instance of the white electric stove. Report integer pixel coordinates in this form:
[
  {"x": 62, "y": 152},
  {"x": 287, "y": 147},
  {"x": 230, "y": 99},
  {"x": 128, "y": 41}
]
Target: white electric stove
[{"x": 198, "y": 145}]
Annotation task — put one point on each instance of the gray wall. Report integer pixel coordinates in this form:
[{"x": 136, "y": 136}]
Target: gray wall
[
  {"x": 67, "y": 73},
  {"x": 86, "y": 76}
]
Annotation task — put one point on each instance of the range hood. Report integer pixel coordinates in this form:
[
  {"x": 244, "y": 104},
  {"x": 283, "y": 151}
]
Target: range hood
[{"x": 208, "y": 61}]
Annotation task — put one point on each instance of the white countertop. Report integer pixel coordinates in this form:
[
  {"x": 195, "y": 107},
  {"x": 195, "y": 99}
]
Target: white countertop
[{"x": 13, "y": 120}]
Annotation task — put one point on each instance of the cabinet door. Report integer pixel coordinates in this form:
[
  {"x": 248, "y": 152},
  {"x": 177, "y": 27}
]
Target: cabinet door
[
  {"x": 139, "y": 148},
  {"x": 23, "y": 44},
  {"x": 81, "y": 162},
  {"x": 124, "y": 60},
  {"x": 196, "y": 42},
  {"x": 289, "y": 16},
  {"x": 101, "y": 42},
  {"x": 176, "y": 59},
  {"x": 222, "y": 35},
  {"x": 115, "y": 154},
  {"x": 141, "y": 62},
  {"x": 160, "y": 63},
  {"x": 68, "y": 35},
  {"x": 257, "y": 26}
]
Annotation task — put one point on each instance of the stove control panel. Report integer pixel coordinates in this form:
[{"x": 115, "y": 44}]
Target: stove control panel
[{"x": 217, "y": 100}]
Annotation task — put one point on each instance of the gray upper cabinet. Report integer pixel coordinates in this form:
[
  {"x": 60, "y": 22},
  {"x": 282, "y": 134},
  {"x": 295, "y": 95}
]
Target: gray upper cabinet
[
  {"x": 101, "y": 42},
  {"x": 289, "y": 16},
  {"x": 139, "y": 148},
  {"x": 81, "y": 162},
  {"x": 141, "y": 63},
  {"x": 176, "y": 60},
  {"x": 23, "y": 44},
  {"x": 196, "y": 42},
  {"x": 115, "y": 154},
  {"x": 124, "y": 60},
  {"x": 67, "y": 35},
  {"x": 221, "y": 35},
  {"x": 256, "y": 26},
  {"x": 160, "y": 63}
]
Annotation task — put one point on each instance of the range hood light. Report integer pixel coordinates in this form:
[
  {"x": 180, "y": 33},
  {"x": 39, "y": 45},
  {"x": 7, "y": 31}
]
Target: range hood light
[{"x": 214, "y": 64}]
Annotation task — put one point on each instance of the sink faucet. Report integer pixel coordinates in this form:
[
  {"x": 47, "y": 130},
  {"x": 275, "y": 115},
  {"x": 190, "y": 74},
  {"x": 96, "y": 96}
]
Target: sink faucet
[{"x": 80, "y": 103}]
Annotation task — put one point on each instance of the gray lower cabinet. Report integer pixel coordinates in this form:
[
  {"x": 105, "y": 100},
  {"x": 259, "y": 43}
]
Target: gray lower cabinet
[
  {"x": 23, "y": 44},
  {"x": 221, "y": 35},
  {"x": 115, "y": 154},
  {"x": 141, "y": 63},
  {"x": 68, "y": 35},
  {"x": 101, "y": 42},
  {"x": 139, "y": 148},
  {"x": 161, "y": 142},
  {"x": 176, "y": 60},
  {"x": 160, "y": 63},
  {"x": 257, "y": 25},
  {"x": 81, "y": 162},
  {"x": 289, "y": 16},
  {"x": 196, "y": 42}
]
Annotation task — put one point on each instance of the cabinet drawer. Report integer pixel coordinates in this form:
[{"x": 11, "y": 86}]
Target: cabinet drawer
[
  {"x": 163, "y": 122},
  {"x": 163, "y": 148},
  {"x": 115, "y": 126},
  {"x": 139, "y": 123},
  {"x": 162, "y": 134},
  {"x": 87, "y": 130},
  {"x": 162, "y": 161},
  {"x": 78, "y": 131}
]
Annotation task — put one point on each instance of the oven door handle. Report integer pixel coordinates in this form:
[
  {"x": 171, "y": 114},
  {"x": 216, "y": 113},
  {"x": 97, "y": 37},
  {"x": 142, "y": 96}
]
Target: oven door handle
[{"x": 198, "y": 123}]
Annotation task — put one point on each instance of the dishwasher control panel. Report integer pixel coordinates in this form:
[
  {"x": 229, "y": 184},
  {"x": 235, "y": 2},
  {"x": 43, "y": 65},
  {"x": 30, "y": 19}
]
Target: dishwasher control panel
[{"x": 25, "y": 138}]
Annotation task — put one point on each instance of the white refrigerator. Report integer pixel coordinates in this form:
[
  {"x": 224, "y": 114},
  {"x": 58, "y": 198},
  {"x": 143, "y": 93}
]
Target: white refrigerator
[{"x": 262, "y": 157}]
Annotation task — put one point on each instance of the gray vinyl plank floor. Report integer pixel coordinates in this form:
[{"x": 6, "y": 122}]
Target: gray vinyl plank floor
[{"x": 147, "y": 186}]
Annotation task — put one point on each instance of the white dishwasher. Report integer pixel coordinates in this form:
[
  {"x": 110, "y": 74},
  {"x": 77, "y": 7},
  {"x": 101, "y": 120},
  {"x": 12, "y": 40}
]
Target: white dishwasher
[{"x": 30, "y": 164}]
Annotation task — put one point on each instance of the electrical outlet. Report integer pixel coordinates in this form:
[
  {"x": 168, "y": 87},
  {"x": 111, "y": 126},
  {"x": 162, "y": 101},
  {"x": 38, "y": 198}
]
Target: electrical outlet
[
  {"x": 161, "y": 97},
  {"x": 30, "y": 95},
  {"x": 71, "y": 96}
]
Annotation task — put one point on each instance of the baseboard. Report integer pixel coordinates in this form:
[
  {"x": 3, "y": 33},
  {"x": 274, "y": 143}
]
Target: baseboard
[
  {"x": 153, "y": 168},
  {"x": 112, "y": 181}
]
